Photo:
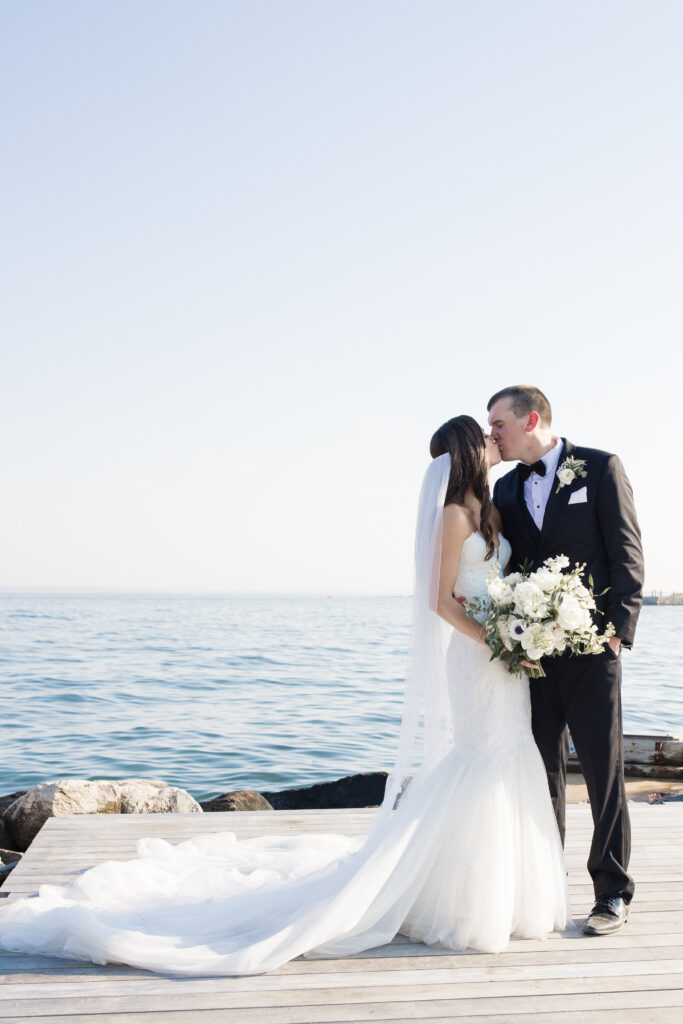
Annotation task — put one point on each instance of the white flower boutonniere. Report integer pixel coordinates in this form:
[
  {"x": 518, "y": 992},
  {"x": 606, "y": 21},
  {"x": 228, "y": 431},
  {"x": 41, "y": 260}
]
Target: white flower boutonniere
[{"x": 569, "y": 470}]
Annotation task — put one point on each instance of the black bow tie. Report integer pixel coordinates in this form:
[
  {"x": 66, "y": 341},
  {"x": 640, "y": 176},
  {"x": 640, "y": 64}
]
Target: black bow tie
[{"x": 526, "y": 471}]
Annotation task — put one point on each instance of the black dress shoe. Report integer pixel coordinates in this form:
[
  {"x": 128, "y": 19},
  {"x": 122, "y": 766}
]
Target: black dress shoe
[{"x": 608, "y": 915}]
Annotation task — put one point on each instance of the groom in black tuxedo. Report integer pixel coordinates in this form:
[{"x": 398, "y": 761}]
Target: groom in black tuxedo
[{"x": 549, "y": 510}]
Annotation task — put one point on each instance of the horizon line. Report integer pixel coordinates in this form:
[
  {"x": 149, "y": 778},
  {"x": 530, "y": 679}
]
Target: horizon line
[{"x": 198, "y": 592}]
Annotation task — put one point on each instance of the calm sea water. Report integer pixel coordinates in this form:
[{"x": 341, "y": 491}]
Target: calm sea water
[{"x": 214, "y": 693}]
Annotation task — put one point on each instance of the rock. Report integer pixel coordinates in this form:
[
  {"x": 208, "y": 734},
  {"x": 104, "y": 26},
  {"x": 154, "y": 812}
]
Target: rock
[
  {"x": 363, "y": 790},
  {"x": 9, "y": 798},
  {"x": 8, "y": 860},
  {"x": 166, "y": 800},
  {"x": 10, "y": 857},
  {"x": 237, "y": 800},
  {"x": 27, "y": 815},
  {"x": 5, "y": 840}
]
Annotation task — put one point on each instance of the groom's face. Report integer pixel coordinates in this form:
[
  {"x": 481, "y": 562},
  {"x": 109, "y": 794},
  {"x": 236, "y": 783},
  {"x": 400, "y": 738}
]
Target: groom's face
[{"x": 509, "y": 432}]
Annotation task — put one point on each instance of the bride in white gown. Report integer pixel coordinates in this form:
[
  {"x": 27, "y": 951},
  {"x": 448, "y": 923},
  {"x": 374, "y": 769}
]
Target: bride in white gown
[{"x": 464, "y": 851}]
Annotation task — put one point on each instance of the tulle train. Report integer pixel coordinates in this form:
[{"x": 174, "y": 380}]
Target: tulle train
[{"x": 472, "y": 858}]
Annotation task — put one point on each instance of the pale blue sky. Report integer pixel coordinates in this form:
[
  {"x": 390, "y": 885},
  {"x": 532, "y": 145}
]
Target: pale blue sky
[{"x": 254, "y": 253}]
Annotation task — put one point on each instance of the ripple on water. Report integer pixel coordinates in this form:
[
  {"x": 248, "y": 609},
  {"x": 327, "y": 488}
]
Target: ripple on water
[{"x": 215, "y": 693}]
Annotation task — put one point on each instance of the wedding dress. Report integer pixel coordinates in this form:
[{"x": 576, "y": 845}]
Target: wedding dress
[{"x": 470, "y": 855}]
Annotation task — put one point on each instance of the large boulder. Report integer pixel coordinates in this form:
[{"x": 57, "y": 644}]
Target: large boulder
[
  {"x": 156, "y": 798},
  {"x": 5, "y": 839},
  {"x": 237, "y": 800},
  {"x": 9, "y": 798},
  {"x": 365, "y": 789},
  {"x": 27, "y": 815}
]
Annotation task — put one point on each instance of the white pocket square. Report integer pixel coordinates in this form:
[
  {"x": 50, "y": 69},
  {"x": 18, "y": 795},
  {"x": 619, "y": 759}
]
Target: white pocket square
[{"x": 578, "y": 496}]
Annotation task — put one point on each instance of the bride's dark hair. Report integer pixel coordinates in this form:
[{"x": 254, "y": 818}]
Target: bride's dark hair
[{"x": 463, "y": 439}]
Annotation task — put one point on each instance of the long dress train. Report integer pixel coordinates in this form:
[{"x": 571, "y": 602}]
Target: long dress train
[{"x": 470, "y": 856}]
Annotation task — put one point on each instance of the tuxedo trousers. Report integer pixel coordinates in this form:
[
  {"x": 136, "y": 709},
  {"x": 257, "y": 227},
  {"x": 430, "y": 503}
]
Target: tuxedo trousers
[{"x": 584, "y": 694}]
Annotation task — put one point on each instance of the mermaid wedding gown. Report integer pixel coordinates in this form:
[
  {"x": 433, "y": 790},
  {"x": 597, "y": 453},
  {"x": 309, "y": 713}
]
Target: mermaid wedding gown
[{"x": 470, "y": 856}]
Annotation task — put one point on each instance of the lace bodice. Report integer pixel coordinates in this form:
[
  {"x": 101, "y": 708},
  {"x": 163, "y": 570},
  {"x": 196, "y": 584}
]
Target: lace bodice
[
  {"x": 474, "y": 570},
  {"x": 490, "y": 707}
]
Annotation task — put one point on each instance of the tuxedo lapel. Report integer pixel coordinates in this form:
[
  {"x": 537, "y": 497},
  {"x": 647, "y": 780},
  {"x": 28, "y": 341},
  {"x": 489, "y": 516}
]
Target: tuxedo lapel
[
  {"x": 556, "y": 498},
  {"x": 518, "y": 525},
  {"x": 527, "y": 519}
]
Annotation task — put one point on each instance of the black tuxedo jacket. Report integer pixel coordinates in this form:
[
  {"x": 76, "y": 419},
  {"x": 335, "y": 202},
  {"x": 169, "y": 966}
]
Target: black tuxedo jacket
[{"x": 602, "y": 531}]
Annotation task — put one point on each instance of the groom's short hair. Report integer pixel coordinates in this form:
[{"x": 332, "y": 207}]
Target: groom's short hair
[{"x": 524, "y": 398}]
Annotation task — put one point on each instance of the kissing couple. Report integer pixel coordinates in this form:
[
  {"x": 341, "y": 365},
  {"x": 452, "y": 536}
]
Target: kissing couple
[{"x": 466, "y": 849}]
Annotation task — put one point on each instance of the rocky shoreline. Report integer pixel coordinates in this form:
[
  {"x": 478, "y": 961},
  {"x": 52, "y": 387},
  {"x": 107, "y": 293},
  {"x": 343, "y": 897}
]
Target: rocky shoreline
[{"x": 22, "y": 814}]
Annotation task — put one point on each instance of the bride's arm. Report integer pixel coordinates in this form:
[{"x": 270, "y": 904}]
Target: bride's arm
[
  {"x": 497, "y": 523},
  {"x": 456, "y": 528}
]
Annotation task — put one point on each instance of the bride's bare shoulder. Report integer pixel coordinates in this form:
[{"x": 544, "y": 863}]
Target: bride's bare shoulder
[{"x": 457, "y": 520}]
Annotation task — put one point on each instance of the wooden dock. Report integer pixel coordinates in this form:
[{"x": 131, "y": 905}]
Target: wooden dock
[{"x": 635, "y": 975}]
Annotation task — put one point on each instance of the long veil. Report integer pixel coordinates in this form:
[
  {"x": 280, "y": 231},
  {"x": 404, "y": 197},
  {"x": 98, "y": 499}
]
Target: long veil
[{"x": 426, "y": 726}]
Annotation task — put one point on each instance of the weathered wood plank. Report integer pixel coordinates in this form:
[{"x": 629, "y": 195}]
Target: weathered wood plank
[
  {"x": 478, "y": 1007},
  {"x": 351, "y": 994},
  {"x": 649, "y": 749},
  {"x": 41, "y": 971},
  {"x": 396, "y": 956},
  {"x": 639, "y": 1015},
  {"x": 558, "y": 976},
  {"x": 634, "y": 975}
]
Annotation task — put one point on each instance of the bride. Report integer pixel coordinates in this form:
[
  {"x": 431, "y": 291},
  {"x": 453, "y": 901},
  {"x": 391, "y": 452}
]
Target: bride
[{"x": 463, "y": 852}]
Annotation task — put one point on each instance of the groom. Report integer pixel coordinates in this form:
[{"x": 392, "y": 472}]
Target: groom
[{"x": 578, "y": 502}]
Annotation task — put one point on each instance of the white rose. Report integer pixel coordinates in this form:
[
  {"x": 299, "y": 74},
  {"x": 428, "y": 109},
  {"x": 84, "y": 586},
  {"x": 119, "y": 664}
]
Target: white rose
[
  {"x": 565, "y": 476},
  {"x": 571, "y": 615},
  {"x": 530, "y": 600},
  {"x": 547, "y": 580},
  {"x": 499, "y": 590}
]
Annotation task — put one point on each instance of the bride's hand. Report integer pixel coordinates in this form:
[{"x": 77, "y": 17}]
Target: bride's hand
[{"x": 529, "y": 664}]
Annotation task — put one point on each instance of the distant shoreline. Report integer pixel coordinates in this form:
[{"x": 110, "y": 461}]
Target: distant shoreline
[
  {"x": 674, "y": 599},
  {"x": 248, "y": 595}
]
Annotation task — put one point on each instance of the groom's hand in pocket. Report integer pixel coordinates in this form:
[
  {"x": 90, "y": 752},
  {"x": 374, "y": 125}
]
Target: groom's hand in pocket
[{"x": 615, "y": 644}]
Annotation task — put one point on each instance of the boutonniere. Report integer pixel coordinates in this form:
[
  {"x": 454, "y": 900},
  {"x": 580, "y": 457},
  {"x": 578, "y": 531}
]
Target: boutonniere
[{"x": 569, "y": 470}]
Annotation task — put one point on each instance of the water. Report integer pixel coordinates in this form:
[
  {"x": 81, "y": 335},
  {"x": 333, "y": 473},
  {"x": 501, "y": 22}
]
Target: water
[{"x": 213, "y": 693}]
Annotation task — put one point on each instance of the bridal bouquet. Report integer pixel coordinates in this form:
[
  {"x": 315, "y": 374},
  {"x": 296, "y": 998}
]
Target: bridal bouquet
[{"x": 531, "y": 615}]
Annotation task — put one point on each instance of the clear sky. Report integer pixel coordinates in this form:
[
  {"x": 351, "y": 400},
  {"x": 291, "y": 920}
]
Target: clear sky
[{"x": 254, "y": 253}]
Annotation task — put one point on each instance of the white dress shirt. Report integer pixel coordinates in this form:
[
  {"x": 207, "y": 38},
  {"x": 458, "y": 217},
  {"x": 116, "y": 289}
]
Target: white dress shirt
[{"x": 537, "y": 488}]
